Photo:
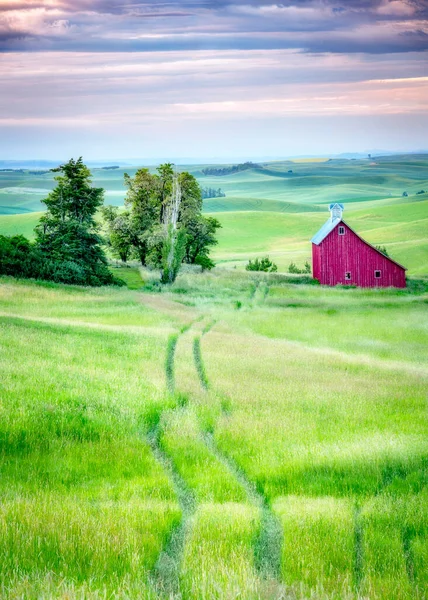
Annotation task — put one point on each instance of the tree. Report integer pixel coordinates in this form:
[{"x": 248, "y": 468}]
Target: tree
[
  {"x": 201, "y": 235},
  {"x": 68, "y": 233},
  {"x": 174, "y": 240},
  {"x": 119, "y": 232},
  {"x": 143, "y": 203},
  {"x": 200, "y": 230},
  {"x": 145, "y": 223}
]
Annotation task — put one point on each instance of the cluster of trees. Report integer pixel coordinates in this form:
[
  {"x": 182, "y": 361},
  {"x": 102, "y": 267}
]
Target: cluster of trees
[
  {"x": 229, "y": 170},
  {"x": 294, "y": 269},
  {"x": 212, "y": 193},
  {"x": 151, "y": 209},
  {"x": 262, "y": 264},
  {"x": 162, "y": 225}
]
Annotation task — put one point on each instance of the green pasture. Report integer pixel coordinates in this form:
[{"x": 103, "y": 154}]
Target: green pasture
[
  {"x": 295, "y": 182},
  {"x": 270, "y": 210},
  {"x": 19, "y": 224},
  {"x": 232, "y": 436}
]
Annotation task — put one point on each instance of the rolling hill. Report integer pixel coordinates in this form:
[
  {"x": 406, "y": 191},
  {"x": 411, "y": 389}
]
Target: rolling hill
[{"x": 275, "y": 208}]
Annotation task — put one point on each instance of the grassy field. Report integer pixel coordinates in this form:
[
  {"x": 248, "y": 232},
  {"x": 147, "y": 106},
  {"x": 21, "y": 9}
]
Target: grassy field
[
  {"x": 234, "y": 436},
  {"x": 276, "y": 209}
]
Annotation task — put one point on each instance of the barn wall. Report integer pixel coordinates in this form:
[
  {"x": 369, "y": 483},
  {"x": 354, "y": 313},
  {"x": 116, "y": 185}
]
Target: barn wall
[
  {"x": 316, "y": 264},
  {"x": 341, "y": 253}
]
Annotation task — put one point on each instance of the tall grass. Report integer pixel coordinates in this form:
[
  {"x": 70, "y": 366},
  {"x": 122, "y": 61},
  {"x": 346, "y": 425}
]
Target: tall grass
[
  {"x": 210, "y": 479},
  {"x": 316, "y": 401},
  {"x": 84, "y": 503},
  {"x": 318, "y": 550},
  {"x": 218, "y": 562}
]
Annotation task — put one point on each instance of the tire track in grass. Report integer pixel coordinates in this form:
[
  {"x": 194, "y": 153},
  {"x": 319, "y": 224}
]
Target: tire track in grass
[
  {"x": 170, "y": 355},
  {"x": 358, "y": 563},
  {"x": 169, "y": 362},
  {"x": 407, "y": 537},
  {"x": 165, "y": 576},
  {"x": 197, "y": 357},
  {"x": 268, "y": 544}
]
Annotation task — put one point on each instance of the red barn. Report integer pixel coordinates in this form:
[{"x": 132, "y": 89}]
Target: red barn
[{"x": 341, "y": 256}]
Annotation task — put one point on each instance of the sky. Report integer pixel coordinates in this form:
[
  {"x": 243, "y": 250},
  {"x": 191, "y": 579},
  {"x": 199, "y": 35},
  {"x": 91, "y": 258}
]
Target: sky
[{"x": 211, "y": 79}]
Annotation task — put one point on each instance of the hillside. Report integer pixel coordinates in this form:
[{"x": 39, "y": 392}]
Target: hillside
[{"x": 270, "y": 210}]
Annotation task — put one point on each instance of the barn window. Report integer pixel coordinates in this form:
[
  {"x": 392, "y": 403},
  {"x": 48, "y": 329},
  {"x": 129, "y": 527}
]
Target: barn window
[
  {"x": 348, "y": 275},
  {"x": 341, "y": 231},
  {"x": 377, "y": 274}
]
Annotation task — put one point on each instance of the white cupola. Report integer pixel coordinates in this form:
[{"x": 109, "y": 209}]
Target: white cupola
[{"x": 336, "y": 211}]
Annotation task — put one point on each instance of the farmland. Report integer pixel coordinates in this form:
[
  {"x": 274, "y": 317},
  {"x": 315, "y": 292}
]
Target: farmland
[
  {"x": 232, "y": 436},
  {"x": 274, "y": 211},
  {"x": 235, "y": 434}
]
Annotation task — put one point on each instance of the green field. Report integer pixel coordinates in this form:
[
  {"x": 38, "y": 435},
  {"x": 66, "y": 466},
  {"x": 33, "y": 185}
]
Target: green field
[
  {"x": 234, "y": 436},
  {"x": 270, "y": 210}
]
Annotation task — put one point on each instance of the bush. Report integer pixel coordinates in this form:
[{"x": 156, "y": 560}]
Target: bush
[
  {"x": 20, "y": 258},
  {"x": 295, "y": 270},
  {"x": 68, "y": 272},
  {"x": 382, "y": 249},
  {"x": 262, "y": 264}
]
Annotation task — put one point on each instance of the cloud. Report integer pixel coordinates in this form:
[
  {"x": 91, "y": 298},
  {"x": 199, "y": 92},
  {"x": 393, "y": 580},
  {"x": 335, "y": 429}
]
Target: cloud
[
  {"x": 375, "y": 26},
  {"x": 82, "y": 88},
  {"x": 144, "y": 69},
  {"x": 399, "y": 8}
]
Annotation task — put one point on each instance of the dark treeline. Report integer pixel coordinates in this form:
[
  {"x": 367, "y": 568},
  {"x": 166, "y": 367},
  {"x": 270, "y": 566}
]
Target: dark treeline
[
  {"x": 230, "y": 170},
  {"x": 212, "y": 193}
]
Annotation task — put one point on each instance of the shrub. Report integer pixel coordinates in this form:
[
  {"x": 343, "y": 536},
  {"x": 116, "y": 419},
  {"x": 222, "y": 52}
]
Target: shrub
[
  {"x": 382, "y": 249},
  {"x": 20, "y": 258},
  {"x": 295, "y": 270},
  {"x": 262, "y": 264}
]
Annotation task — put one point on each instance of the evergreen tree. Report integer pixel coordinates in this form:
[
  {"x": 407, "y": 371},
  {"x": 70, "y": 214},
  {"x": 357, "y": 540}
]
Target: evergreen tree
[{"x": 68, "y": 233}]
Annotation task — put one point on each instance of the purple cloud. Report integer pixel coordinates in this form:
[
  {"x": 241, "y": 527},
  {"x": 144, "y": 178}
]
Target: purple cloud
[{"x": 376, "y": 26}]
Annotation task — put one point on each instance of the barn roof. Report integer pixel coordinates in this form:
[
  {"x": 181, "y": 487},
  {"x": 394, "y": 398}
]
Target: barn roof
[
  {"x": 331, "y": 224},
  {"x": 325, "y": 230}
]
